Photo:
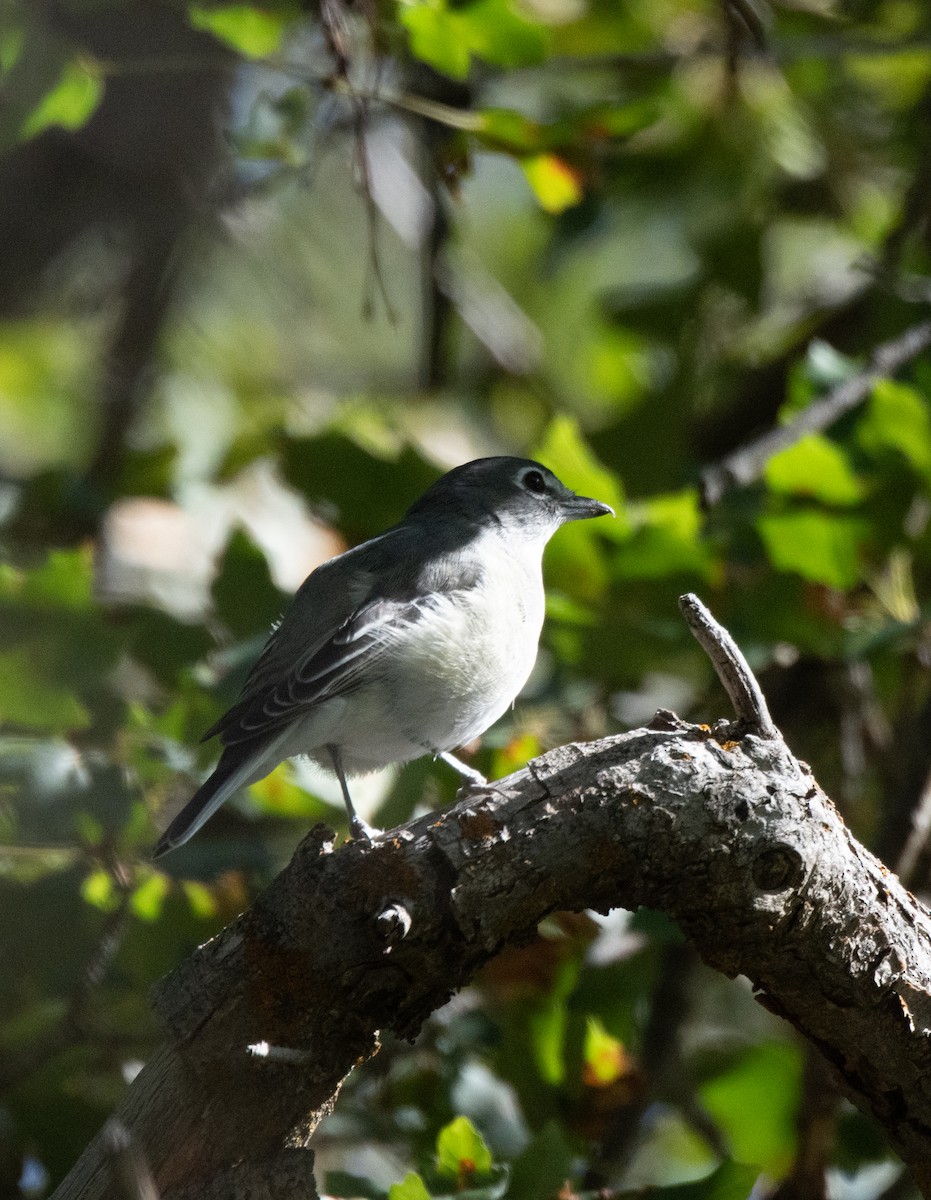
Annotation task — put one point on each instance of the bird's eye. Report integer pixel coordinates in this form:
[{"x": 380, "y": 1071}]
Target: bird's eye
[{"x": 534, "y": 482}]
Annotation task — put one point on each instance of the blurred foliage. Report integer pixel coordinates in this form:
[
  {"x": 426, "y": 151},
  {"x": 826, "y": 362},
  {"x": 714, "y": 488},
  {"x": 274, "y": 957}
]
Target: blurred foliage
[{"x": 621, "y": 237}]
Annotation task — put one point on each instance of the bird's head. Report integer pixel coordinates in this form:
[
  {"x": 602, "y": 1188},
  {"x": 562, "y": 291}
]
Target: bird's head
[{"x": 517, "y": 494}]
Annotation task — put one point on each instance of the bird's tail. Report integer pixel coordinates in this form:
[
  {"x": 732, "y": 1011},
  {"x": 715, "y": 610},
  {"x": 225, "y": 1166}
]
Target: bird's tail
[{"x": 239, "y": 765}]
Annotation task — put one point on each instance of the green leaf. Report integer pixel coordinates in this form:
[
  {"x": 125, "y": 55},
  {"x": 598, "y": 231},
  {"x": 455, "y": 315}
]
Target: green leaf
[
  {"x": 604, "y": 1055},
  {"x": 731, "y": 1181},
  {"x": 765, "y": 1081},
  {"x": 547, "y": 1025},
  {"x": 556, "y": 184},
  {"x": 446, "y": 37},
  {"x": 497, "y": 32},
  {"x": 435, "y": 39},
  {"x": 201, "y": 899},
  {"x": 64, "y": 580},
  {"x": 30, "y": 701},
  {"x": 819, "y": 547},
  {"x": 816, "y": 467},
  {"x": 461, "y": 1151},
  {"x": 666, "y": 539},
  {"x": 245, "y": 596},
  {"x": 148, "y": 898},
  {"x": 897, "y": 418},
  {"x": 70, "y": 102},
  {"x": 412, "y": 1188},
  {"x": 250, "y": 31},
  {"x": 99, "y": 890}
]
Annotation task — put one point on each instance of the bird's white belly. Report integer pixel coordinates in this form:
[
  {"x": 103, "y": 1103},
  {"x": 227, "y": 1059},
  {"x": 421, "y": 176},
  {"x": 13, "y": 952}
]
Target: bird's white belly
[{"x": 445, "y": 681}]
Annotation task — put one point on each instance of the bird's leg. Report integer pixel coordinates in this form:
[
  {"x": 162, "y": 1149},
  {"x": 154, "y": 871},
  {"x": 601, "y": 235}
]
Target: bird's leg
[
  {"x": 357, "y": 827},
  {"x": 473, "y": 777}
]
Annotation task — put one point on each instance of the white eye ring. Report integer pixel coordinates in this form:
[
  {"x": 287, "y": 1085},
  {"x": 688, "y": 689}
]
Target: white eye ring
[{"x": 534, "y": 482}]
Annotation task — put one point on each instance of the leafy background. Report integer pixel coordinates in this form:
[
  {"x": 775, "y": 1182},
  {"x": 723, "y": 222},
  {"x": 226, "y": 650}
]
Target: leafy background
[{"x": 268, "y": 270}]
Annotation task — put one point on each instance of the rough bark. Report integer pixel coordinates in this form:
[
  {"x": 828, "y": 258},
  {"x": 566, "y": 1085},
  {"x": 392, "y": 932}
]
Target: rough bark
[{"x": 723, "y": 830}]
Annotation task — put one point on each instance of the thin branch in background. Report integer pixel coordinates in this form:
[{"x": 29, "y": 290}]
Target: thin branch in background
[
  {"x": 743, "y": 691},
  {"x": 375, "y": 281},
  {"x": 745, "y": 14},
  {"x": 746, "y": 464},
  {"x": 918, "y": 835},
  {"x": 336, "y": 31},
  {"x": 863, "y": 726},
  {"x": 742, "y": 24}
]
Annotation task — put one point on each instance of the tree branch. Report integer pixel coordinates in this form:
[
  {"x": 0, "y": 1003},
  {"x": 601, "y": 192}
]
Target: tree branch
[
  {"x": 720, "y": 828},
  {"x": 746, "y": 464}
]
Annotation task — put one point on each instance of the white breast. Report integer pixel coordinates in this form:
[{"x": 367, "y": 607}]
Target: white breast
[{"x": 456, "y": 670}]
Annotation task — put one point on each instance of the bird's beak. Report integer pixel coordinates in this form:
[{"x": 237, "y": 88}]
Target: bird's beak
[{"x": 578, "y": 508}]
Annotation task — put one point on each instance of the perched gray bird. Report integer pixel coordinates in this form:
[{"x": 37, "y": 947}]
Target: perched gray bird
[{"x": 412, "y": 643}]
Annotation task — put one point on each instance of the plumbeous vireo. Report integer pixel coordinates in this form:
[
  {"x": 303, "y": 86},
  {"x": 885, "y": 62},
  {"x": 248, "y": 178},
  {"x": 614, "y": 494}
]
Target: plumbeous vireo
[{"x": 412, "y": 643}]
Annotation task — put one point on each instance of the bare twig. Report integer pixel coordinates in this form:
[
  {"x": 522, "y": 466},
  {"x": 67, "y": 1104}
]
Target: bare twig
[
  {"x": 746, "y": 464},
  {"x": 730, "y": 665}
]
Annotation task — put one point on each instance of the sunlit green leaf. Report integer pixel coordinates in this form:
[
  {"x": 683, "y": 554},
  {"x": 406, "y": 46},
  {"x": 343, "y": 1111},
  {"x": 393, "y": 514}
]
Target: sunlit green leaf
[
  {"x": 817, "y": 467},
  {"x": 820, "y": 547},
  {"x": 251, "y": 30},
  {"x": 200, "y": 898},
  {"x": 64, "y": 580},
  {"x": 71, "y": 102},
  {"x": 897, "y": 417},
  {"x": 666, "y": 539},
  {"x": 148, "y": 898},
  {"x": 556, "y": 185},
  {"x": 99, "y": 890},
  {"x": 446, "y": 36},
  {"x": 411, "y": 1188},
  {"x": 278, "y": 793},
  {"x": 506, "y": 129},
  {"x": 497, "y": 31},
  {"x": 765, "y": 1080},
  {"x": 605, "y": 1057},
  {"x": 435, "y": 38},
  {"x": 461, "y": 1150}
]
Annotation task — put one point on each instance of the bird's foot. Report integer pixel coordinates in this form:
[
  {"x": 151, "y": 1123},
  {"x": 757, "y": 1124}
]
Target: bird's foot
[{"x": 362, "y": 831}]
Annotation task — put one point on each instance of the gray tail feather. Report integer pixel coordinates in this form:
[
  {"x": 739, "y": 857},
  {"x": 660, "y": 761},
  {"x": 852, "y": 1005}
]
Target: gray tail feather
[{"x": 237, "y": 767}]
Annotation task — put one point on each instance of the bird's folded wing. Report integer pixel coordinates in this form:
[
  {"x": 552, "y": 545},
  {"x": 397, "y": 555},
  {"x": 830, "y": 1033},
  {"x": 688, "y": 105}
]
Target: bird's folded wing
[
  {"x": 347, "y": 616},
  {"x": 350, "y": 657}
]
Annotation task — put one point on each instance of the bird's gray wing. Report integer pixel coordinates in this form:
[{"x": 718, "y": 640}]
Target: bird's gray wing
[{"x": 339, "y": 628}]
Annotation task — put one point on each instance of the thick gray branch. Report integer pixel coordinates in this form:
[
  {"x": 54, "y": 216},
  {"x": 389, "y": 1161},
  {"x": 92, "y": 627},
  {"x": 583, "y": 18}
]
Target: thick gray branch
[{"x": 729, "y": 835}]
